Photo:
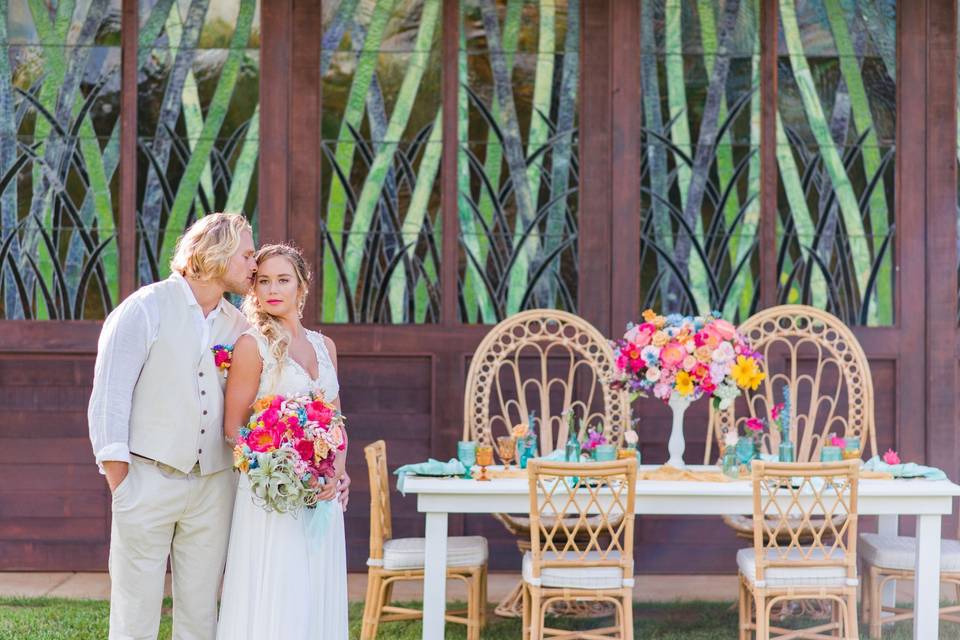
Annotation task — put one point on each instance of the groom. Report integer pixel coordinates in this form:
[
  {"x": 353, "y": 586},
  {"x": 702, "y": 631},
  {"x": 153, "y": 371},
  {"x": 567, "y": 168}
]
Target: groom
[{"x": 156, "y": 425}]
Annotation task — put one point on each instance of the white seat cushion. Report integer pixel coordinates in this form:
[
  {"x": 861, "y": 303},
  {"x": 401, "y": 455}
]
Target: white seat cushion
[
  {"x": 408, "y": 553},
  {"x": 794, "y": 577},
  {"x": 900, "y": 552},
  {"x": 578, "y": 577}
]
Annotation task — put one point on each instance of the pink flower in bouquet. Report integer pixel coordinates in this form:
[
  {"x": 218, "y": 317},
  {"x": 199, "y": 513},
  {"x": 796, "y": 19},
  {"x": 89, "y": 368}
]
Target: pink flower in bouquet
[
  {"x": 891, "y": 457},
  {"x": 725, "y": 329},
  {"x": 319, "y": 412},
  {"x": 622, "y": 361},
  {"x": 276, "y": 402},
  {"x": 775, "y": 412},
  {"x": 689, "y": 363},
  {"x": 706, "y": 337},
  {"x": 755, "y": 424},
  {"x": 305, "y": 449},
  {"x": 672, "y": 354},
  {"x": 837, "y": 441},
  {"x": 636, "y": 365},
  {"x": 270, "y": 417},
  {"x": 640, "y": 334},
  {"x": 263, "y": 439},
  {"x": 661, "y": 390}
]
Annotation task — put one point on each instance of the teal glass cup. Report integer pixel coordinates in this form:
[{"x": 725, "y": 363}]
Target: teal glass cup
[
  {"x": 467, "y": 455},
  {"x": 830, "y": 453},
  {"x": 605, "y": 452}
]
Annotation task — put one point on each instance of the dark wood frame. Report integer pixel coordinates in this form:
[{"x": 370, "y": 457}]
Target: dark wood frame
[{"x": 914, "y": 366}]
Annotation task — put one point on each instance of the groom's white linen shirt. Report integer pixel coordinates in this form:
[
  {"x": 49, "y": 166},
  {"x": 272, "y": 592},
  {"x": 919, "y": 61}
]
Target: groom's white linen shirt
[{"x": 125, "y": 341}]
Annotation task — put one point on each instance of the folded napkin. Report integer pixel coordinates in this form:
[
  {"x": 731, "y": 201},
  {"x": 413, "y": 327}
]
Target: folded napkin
[
  {"x": 908, "y": 470},
  {"x": 429, "y": 468}
]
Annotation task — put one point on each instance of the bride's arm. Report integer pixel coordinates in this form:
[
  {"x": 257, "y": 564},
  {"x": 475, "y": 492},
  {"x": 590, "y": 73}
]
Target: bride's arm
[{"x": 242, "y": 385}]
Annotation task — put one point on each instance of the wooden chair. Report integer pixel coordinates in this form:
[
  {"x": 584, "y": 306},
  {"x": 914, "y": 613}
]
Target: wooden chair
[
  {"x": 820, "y": 360},
  {"x": 588, "y": 560},
  {"x": 774, "y": 570},
  {"x": 549, "y": 362},
  {"x": 887, "y": 558},
  {"x": 395, "y": 559}
]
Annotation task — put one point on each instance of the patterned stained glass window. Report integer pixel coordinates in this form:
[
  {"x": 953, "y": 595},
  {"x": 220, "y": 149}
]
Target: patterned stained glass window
[
  {"x": 197, "y": 119},
  {"x": 380, "y": 171},
  {"x": 836, "y": 129},
  {"x": 700, "y": 171},
  {"x": 518, "y": 178},
  {"x": 59, "y": 144}
]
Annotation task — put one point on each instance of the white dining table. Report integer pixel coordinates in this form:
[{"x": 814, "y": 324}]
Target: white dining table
[{"x": 926, "y": 499}]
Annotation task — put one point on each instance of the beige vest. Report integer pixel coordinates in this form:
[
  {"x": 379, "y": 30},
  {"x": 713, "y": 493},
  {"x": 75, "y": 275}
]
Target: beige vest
[{"x": 177, "y": 412}]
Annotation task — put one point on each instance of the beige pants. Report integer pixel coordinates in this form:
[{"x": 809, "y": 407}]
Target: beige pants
[{"x": 160, "y": 512}]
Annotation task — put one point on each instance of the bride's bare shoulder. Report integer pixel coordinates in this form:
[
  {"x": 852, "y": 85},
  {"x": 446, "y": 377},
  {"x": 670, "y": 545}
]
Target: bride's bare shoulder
[{"x": 246, "y": 352}]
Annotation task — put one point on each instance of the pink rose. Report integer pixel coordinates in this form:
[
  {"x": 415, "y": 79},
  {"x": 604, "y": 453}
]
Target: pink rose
[
  {"x": 724, "y": 329},
  {"x": 755, "y": 424},
  {"x": 891, "y": 457},
  {"x": 837, "y": 441},
  {"x": 672, "y": 354},
  {"x": 277, "y": 401},
  {"x": 661, "y": 390}
]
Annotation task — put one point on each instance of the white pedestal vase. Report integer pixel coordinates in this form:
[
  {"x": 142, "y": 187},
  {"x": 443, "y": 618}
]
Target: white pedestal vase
[{"x": 676, "y": 445}]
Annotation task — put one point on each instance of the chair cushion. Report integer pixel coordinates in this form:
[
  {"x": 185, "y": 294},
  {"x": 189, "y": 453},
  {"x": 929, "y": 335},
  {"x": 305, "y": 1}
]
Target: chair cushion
[
  {"x": 408, "y": 553},
  {"x": 900, "y": 552},
  {"x": 578, "y": 577},
  {"x": 794, "y": 577}
]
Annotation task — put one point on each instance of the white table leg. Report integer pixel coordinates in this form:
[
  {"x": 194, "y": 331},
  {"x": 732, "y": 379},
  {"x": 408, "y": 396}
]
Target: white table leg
[
  {"x": 926, "y": 594},
  {"x": 435, "y": 577},
  {"x": 889, "y": 525}
]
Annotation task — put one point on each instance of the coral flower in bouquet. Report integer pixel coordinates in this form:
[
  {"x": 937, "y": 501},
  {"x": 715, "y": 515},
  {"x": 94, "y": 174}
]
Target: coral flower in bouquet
[
  {"x": 691, "y": 356},
  {"x": 287, "y": 447}
]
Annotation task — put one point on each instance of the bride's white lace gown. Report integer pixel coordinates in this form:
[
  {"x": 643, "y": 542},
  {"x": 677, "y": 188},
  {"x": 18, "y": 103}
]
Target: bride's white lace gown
[{"x": 278, "y": 584}]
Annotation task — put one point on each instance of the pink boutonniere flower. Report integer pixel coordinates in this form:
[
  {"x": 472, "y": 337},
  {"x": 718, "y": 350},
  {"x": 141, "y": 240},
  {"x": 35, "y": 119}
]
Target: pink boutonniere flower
[
  {"x": 891, "y": 457},
  {"x": 222, "y": 357}
]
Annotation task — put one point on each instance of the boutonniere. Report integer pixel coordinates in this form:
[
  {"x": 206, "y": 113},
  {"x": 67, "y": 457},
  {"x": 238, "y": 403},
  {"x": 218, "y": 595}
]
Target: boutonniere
[{"x": 222, "y": 357}]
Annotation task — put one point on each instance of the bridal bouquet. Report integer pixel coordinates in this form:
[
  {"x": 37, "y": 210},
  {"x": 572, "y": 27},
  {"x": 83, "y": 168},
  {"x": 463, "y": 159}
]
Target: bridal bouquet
[
  {"x": 288, "y": 445},
  {"x": 688, "y": 356}
]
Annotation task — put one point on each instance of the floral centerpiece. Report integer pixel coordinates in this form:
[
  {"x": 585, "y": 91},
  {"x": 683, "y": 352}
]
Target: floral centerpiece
[
  {"x": 680, "y": 359},
  {"x": 287, "y": 447}
]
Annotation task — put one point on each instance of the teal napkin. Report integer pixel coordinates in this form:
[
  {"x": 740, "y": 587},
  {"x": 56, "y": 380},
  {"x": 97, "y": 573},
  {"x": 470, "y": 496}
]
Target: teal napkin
[
  {"x": 429, "y": 468},
  {"x": 557, "y": 455},
  {"x": 908, "y": 470}
]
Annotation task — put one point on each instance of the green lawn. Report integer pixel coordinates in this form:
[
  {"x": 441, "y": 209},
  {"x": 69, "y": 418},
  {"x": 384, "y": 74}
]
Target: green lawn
[{"x": 55, "y": 619}]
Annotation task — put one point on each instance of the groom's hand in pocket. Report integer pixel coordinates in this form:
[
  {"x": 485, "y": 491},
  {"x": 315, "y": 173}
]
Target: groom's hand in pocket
[
  {"x": 115, "y": 471},
  {"x": 344, "y": 487}
]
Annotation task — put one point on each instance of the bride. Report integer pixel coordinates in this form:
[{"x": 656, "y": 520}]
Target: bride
[{"x": 282, "y": 581}]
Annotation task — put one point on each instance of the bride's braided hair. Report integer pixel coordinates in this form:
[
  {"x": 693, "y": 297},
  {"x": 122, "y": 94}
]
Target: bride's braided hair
[{"x": 278, "y": 338}]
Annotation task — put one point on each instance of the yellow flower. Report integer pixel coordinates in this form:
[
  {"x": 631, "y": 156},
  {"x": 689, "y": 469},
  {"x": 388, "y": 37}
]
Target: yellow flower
[
  {"x": 262, "y": 404},
  {"x": 684, "y": 383},
  {"x": 747, "y": 374},
  {"x": 659, "y": 339},
  {"x": 649, "y": 315},
  {"x": 320, "y": 450},
  {"x": 704, "y": 353},
  {"x": 519, "y": 430}
]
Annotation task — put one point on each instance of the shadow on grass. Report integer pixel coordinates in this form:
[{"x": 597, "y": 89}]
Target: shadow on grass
[{"x": 58, "y": 619}]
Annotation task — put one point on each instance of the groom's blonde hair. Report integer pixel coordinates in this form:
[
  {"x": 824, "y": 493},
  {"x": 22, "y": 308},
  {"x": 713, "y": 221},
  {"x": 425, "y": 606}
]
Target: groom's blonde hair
[{"x": 204, "y": 250}]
